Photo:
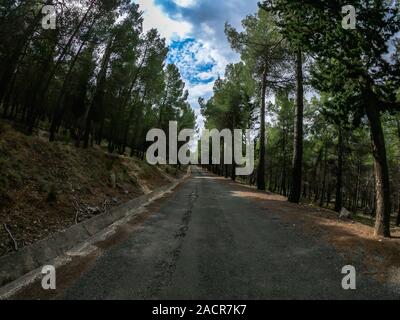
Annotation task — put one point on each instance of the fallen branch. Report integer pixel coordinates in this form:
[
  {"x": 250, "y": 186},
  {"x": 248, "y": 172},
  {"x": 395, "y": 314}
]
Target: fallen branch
[
  {"x": 106, "y": 203},
  {"x": 77, "y": 217},
  {"x": 11, "y": 236},
  {"x": 77, "y": 209}
]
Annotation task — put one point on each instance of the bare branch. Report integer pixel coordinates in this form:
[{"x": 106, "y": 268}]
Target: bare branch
[{"x": 11, "y": 236}]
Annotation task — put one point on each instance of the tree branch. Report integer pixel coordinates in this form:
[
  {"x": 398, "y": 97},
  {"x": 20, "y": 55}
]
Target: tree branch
[{"x": 11, "y": 236}]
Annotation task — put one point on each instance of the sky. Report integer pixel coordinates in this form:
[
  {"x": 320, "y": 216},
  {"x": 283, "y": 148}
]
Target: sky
[{"x": 194, "y": 30}]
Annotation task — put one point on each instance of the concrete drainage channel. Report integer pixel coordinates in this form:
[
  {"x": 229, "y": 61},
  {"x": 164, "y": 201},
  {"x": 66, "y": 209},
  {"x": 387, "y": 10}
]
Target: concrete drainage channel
[{"x": 23, "y": 267}]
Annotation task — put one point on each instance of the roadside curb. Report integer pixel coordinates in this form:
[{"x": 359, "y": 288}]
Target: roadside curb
[{"x": 27, "y": 259}]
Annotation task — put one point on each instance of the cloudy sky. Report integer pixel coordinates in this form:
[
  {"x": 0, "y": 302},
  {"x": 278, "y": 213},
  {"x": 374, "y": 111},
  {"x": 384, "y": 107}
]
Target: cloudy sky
[{"x": 194, "y": 30}]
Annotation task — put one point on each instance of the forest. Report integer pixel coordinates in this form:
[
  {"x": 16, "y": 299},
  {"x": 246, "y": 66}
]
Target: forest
[
  {"x": 95, "y": 78},
  {"x": 325, "y": 100}
]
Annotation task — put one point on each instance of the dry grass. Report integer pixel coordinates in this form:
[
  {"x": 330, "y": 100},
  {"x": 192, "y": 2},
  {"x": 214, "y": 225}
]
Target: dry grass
[{"x": 42, "y": 184}]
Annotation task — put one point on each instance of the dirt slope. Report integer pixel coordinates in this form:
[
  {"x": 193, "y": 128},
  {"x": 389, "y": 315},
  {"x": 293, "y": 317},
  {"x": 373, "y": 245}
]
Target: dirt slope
[{"x": 46, "y": 187}]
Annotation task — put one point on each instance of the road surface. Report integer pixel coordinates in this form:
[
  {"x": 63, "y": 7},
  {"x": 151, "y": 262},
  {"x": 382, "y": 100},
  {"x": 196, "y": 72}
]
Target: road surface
[{"x": 211, "y": 239}]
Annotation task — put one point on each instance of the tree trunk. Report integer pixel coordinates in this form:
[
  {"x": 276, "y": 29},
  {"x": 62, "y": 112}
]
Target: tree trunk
[
  {"x": 60, "y": 107},
  {"x": 328, "y": 196},
  {"x": 322, "y": 199},
  {"x": 339, "y": 173},
  {"x": 12, "y": 60},
  {"x": 295, "y": 190},
  {"x": 357, "y": 197},
  {"x": 49, "y": 78},
  {"x": 283, "y": 190},
  {"x": 382, "y": 183},
  {"x": 398, "y": 213},
  {"x": 98, "y": 95},
  {"x": 233, "y": 173},
  {"x": 61, "y": 55},
  {"x": 261, "y": 165}
]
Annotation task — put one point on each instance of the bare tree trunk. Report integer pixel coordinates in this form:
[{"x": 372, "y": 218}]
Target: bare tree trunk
[
  {"x": 61, "y": 109},
  {"x": 322, "y": 199},
  {"x": 382, "y": 183},
  {"x": 283, "y": 174},
  {"x": 98, "y": 96},
  {"x": 233, "y": 173},
  {"x": 398, "y": 214},
  {"x": 339, "y": 173},
  {"x": 261, "y": 165},
  {"x": 49, "y": 78},
  {"x": 295, "y": 190},
  {"x": 328, "y": 196},
  {"x": 356, "y": 200}
]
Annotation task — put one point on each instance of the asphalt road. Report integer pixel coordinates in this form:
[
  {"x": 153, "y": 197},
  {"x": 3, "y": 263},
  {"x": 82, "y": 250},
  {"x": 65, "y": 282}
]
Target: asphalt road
[{"x": 206, "y": 241}]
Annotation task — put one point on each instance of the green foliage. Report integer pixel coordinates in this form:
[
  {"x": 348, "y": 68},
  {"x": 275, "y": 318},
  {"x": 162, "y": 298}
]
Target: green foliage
[
  {"x": 260, "y": 45},
  {"x": 231, "y": 106},
  {"x": 97, "y": 76},
  {"x": 354, "y": 78}
]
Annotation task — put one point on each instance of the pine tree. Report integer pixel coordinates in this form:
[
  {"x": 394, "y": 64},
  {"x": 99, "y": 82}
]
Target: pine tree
[
  {"x": 262, "y": 49},
  {"x": 352, "y": 63}
]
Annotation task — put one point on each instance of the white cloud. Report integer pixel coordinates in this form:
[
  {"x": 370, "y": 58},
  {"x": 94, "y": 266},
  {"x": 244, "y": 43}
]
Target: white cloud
[
  {"x": 207, "y": 29},
  {"x": 154, "y": 17},
  {"x": 201, "y": 90},
  {"x": 200, "y": 65},
  {"x": 204, "y": 21},
  {"x": 185, "y": 3}
]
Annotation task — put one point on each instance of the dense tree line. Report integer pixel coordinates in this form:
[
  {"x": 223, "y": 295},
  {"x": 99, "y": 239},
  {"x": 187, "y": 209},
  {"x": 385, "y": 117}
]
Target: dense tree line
[
  {"x": 341, "y": 148},
  {"x": 95, "y": 78},
  {"x": 98, "y": 78}
]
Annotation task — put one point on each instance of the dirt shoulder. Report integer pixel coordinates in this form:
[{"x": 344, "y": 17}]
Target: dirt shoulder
[
  {"x": 353, "y": 240},
  {"x": 47, "y": 187}
]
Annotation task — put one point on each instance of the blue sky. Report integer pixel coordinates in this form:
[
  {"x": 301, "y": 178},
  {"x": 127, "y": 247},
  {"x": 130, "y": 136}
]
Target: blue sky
[
  {"x": 197, "y": 66},
  {"x": 194, "y": 30}
]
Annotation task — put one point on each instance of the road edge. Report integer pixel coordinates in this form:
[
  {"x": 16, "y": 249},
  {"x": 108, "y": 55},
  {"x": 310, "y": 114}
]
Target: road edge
[{"x": 21, "y": 267}]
